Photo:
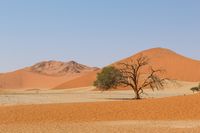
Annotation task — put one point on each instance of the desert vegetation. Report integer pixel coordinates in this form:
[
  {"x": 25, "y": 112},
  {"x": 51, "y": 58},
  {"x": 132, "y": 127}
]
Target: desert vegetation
[
  {"x": 195, "y": 89},
  {"x": 131, "y": 74},
  {"x": 109, "y": 77}
]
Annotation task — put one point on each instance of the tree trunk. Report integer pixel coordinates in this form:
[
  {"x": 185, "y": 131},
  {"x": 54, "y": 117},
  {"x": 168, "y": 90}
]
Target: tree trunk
[{"x": 137, "y": 95}]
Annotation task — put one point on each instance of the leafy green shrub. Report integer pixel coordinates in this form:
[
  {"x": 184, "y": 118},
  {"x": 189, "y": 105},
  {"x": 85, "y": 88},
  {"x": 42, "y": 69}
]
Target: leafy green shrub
[{"x": 108, "y": 78}]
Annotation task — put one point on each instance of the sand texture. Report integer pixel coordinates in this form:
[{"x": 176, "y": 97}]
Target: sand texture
[{"x": 178, "y": 114}]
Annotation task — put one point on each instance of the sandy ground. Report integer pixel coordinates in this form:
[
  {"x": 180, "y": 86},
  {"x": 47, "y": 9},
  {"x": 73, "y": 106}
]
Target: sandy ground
[
  {"x": 21, "y": 97},
  {"x": 84, "y": 110},
  {"x": 106, "y": 127},
  {"x": 175, "y": 114}
]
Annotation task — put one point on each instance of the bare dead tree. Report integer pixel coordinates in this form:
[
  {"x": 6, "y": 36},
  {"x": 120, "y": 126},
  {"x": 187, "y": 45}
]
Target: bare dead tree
[{"x": 133, "y": 75}]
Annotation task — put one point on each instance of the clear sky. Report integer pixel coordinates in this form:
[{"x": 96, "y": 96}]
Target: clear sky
[{"x": 94, "y": 32}]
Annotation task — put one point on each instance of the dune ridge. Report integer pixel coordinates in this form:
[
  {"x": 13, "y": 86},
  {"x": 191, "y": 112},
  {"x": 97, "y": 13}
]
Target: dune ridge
[
  {"x": 43, "y": 75},
  {"x": 176, "y": 66}
]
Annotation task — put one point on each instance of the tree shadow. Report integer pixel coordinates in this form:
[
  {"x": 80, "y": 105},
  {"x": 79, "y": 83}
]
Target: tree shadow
[
  {"x": 126, "y": 99},
  {"x": 119, "y": 99}
]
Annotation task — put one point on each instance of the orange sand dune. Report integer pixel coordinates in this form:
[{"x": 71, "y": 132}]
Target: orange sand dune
[
  {"x": 82, "y": 81},
  {"x": 174, "y": 108},
  {"x": 28, "y": 80},
  {"x": 176, "y": 67},
  {"x": 43, "y": 75}
]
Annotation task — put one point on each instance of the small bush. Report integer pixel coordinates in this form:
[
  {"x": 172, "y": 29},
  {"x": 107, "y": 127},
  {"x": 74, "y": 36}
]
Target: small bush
[
  {"x": 197, "y": 89},
  {"x": 108, "y": 78}
]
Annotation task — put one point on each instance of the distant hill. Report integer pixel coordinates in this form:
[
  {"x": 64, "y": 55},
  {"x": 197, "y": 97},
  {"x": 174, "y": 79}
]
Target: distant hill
[
  {"x": 58, "y": 68},
  {"x": 176, "y": 67},
  {"x": 43, "y": 75}
]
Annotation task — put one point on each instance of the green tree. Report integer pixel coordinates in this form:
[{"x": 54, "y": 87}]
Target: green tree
[{"x": 108, "y": 78}]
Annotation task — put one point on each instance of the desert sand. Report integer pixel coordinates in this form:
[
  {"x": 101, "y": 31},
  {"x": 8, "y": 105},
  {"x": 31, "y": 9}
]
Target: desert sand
[
  {"x": 64, "y": 75},
  {"x": 105, "y": 127},
  {"x": 76, "y": 110},
  {"x": 82, "y": 81},
  {"x": 43, "y": 75},
  {"x": 59, "y": 97},
  {"x": 176, "y": 67},
  {"x": 180, "y": 114},
  {"x": 87, "y": 94}
]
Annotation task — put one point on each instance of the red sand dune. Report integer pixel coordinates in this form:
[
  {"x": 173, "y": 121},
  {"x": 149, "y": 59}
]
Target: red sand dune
[
  {"x": 82, "y": 81},
  {"x": 60, "y": 75},
  {"x": 43, "y": 75},
  {"x": 176, "y": 67}
]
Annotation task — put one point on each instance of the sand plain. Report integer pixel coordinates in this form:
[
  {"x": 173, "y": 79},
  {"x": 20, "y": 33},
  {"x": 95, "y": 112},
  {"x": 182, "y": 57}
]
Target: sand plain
[
  {"x": 87, "y": 94},
  {"x": 174, "y": 109}
]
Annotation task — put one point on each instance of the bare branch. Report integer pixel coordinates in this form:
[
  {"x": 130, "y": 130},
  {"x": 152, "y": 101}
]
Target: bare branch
[{"x": 133, "y": 76}]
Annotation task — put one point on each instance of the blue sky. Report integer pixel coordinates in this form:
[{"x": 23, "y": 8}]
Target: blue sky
[{"x": 94, "y": 32}]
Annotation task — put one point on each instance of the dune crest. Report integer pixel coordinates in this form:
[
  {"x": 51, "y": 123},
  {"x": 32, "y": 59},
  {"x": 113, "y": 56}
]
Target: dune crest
[
  {"x": 43, "y": 75},
  {"x": 176, "y": 67},
  {"x": 58, "y": 68}
]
